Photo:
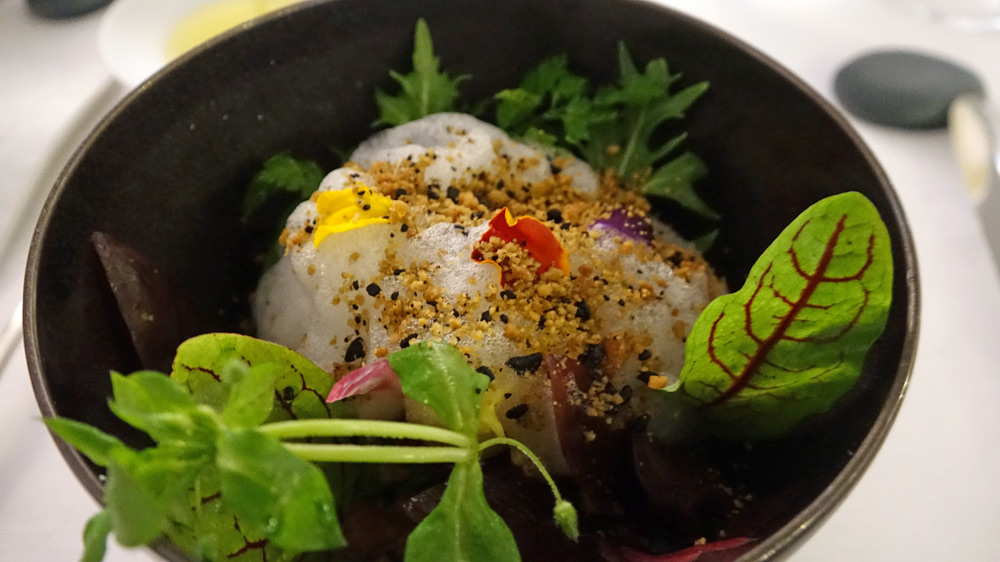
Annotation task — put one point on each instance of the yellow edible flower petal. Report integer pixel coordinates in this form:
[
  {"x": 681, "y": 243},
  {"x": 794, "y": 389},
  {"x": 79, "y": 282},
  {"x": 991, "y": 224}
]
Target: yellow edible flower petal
[{"x": 347, "y": 209}]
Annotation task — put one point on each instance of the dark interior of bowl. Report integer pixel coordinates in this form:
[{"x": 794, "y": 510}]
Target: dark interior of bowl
[{"x": 166, "y": 174}]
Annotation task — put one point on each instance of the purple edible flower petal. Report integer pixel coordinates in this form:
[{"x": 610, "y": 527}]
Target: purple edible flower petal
[{"x": 634, "y": 227}]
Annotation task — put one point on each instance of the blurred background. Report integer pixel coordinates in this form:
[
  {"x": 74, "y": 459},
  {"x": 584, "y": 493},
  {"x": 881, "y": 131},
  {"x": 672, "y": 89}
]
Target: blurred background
[{"x": 932, "y": 492}]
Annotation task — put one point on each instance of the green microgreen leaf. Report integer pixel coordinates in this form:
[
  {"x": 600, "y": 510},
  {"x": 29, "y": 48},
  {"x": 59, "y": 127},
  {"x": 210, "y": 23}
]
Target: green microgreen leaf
[
  {"x": 89, "y": 440},
  {"x": 251, "y": 394},
  {"x": 793, "y": 339},
  {"x": 438, "y": 376},
  {"x": 285, "y": 496},
  {"x": 136, "y": 514},
  {"x": 217, "y": 481},
  {"x": 161, "y": 407},
  {"x": 426, "y": 90},
  {"x": 463, "y": 527},
  {"x": 95, "y": 537},
  {"x": 143, "y": 486},
  {"x": 281, "y": 175}
]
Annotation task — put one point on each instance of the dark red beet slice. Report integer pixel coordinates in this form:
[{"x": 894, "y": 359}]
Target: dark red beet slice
[
  {"x": 592, "y": 450},
  {"x": 375, "y": 532},
  {"x": 678, "y": 481},
  {"x": 159, "y": 314}
]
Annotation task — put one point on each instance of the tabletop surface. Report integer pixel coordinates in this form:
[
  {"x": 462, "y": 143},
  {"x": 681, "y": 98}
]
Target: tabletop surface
[{"x": 931, "y": 494}]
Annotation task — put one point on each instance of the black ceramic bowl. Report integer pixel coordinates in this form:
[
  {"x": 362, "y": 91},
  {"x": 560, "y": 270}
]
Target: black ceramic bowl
[{"x": 166, "y": 171}]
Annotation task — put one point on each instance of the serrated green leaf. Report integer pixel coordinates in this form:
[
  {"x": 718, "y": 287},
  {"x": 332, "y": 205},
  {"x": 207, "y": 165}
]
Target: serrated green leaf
[
  {"x": 287, "y": 497},
  {"x": 438, "y": 376},
  {"x": 793, "y": 339},
  {"x": 89, "y": 440},
  {"x": 515, "y": 107},
  {"x": 538, "y": 136},
  {"x": 299, "y": 390},
  {"x": 705, "y": 242},
  {"x": 675, "y": 180},
  {"x": 617, "y": 128},
  {"x": 553, "y": 75},
  {"x": 95, "y": 537},
  {"x": 426, "y": 90},
  {"x": 578, "y": 117},
  {"x": 463, "y": 527},
  {"x": 282, "y": 174}
]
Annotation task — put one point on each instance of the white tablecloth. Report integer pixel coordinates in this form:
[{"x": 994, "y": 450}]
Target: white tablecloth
[{"x": 933, "y": 492}]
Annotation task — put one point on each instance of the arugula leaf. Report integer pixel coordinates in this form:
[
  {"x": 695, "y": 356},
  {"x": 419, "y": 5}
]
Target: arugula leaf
[
  {"x": 95, "y": 537},
  {"x": 437, "y": 376},
  {"x": 645, "y": 105},
  {"x": 426, "y": 90},
  {"x": 282, "y": 174},
  {"x": 550, "y": 92},
  {"x": 299, "y": 390},
  {"x": 299, "y": 514},
  {"x": 613, "y": 129},
  {"x": 463, "y": 527},
  {"x": 794, "y": 338},
  {"x": 675, "y": 180}
]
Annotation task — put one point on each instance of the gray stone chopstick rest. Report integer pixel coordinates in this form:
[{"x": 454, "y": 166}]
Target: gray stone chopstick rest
[{"x": 903, "y": 88}]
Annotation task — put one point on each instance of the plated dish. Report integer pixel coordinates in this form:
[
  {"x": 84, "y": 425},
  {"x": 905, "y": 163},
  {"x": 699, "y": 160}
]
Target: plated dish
[{"x": 487, "y": 254}]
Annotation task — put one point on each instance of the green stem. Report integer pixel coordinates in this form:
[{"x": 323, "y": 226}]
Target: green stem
[
  {"x": 531, "y": 456},
  {"x": 379, "y": 454},
  {"x": 298, "y": 429}
]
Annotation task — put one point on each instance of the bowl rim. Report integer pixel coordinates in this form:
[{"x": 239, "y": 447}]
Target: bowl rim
[{"x": 782, "y": 542}]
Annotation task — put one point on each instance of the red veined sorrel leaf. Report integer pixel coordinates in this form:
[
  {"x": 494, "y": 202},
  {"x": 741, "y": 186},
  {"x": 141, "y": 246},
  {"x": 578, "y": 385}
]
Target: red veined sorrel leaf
[
  {"x": 793, "y": 339},
  {"x": 299, "y": 391}
]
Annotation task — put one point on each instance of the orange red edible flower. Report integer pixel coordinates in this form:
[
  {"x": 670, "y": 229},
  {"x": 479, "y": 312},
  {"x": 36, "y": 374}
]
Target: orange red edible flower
[{"x": 529, "y": 233}]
